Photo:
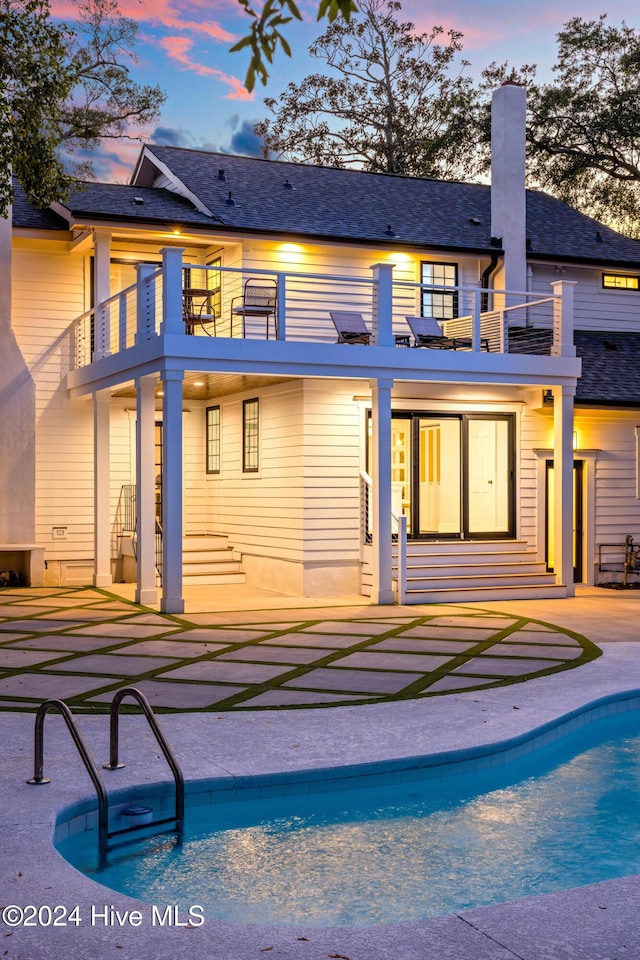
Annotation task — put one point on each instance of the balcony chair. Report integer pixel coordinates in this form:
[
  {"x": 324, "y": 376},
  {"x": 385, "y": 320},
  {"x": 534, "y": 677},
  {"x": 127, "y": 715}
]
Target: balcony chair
[
  {"x": 259, "y": 299},
  {"x": 351, "y": 328},
  {"x": 427, "y": 332},
  {"x": 198, "y": 310}
]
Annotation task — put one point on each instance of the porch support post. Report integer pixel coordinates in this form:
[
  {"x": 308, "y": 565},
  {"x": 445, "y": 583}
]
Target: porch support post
[
  {"x": 172, "y": 599},
  {"x": 101, "y": 291},
  {"x": 172, "y": 291},
  {"x": 382, "y": 312},
  {"x": 146, "y": 591},
  {"x": 563, "y": 486},
  {"x": 101, "y": 490},
  {"x": 381, "y": 475},
  {"x": 563, "y": 345}
]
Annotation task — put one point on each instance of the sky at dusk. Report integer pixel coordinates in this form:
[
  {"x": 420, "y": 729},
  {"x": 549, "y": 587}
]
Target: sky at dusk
[{"x": 184, "y": 46}]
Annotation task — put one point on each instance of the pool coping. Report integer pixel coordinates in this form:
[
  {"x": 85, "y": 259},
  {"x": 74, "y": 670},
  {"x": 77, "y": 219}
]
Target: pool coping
[{"x": 595, "y": 921}]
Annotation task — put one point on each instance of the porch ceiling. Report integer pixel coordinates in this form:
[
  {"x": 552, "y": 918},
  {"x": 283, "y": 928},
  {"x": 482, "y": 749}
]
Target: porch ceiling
[{"x": 209, "y": 386}]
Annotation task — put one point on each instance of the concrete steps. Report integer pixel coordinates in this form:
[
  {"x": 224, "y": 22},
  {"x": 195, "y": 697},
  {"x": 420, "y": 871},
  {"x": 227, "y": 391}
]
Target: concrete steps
[
  {"x": 463, "y": 571},
  {"x": 210, "y": 560}
]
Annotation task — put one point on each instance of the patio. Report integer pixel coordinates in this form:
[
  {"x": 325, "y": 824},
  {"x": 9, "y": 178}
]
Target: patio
[{"x": 592, "y": 923}]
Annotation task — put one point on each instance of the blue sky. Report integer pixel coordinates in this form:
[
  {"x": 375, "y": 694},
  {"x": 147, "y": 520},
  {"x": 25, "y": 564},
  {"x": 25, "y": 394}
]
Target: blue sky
[{"x": 184, "y": 46}]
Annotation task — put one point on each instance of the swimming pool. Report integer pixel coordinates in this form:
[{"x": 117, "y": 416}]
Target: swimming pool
[{"x": 391, "y": 846}]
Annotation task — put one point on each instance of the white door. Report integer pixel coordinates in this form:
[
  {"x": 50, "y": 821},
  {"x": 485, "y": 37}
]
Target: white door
[{"x": 488, "y": 462}]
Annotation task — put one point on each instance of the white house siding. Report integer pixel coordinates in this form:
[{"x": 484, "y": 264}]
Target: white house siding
[
  {"x": 310, "y": 300},
  {"x": 196, "y": 505},
  {"x": 595, "y": 307},
  {"x": 536, "y": 433},
  {"x": 611, "y": 434},
  {"x": 49, "y": 291},
  {"x": 333, "y": 436},
  {"x": 296, "y": 522},
  {"x": 261, "y": 512}
]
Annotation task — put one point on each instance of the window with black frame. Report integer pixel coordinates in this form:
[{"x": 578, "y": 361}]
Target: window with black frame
[
  {"x": 250, "y": 436},
  {"x": 213, "y": 440},
  {"x": 439, "y": 302}
]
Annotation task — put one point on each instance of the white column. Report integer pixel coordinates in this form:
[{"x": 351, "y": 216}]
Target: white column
[
  {"x": 563, "y": 486},
  {"x": 101, "y": 290},
  {"x": 563, "y": 345},
  {"x": 172, "y": 599},
  {"x": 172, "y": 291},
  {"x": 101, "y": 490},
  {"x": 383, "y": 304},
  {"x": 145, "y": 303},
  {"x": 381, "y": 477},
  {"x": 146, "y": 591}
]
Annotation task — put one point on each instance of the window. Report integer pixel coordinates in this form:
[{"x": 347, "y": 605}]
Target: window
[
  {"x": 213, "y": 440},
  {"x": 250, "y": 435},
  {"x": 441, "y": 304},
  {"x": 620, "y": 281}
]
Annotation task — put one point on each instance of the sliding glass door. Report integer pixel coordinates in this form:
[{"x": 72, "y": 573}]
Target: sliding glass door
[{"x": 452, "y": 475}]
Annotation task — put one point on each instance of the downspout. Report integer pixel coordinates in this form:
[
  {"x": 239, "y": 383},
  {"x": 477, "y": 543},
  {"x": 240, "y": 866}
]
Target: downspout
[{"x": 485, "y": 281}]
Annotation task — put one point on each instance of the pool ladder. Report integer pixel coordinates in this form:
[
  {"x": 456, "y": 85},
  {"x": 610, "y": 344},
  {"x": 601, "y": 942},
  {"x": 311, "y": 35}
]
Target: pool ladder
[{"x": 104, "y": 834}]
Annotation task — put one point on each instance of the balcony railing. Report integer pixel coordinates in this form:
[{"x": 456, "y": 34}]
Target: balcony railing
[{"x": 506, "y": 322}]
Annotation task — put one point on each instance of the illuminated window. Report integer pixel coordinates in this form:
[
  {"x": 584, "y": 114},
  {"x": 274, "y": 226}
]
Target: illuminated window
[
  {"x": 214, "y": 283},
  {"x": 620, "y": 281},
  {"x": 250, "y": 436},
  {"x": 439, "y": 303},
  {"x": 213, "y": 440}
]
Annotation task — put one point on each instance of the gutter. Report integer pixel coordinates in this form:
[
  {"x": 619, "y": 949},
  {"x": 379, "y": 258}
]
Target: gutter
[{"x": 485, "y": 280}]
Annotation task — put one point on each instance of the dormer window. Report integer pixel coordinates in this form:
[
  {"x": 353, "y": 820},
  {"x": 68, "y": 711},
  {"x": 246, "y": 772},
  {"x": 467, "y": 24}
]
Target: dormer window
[{"x": 620, "y": 281}]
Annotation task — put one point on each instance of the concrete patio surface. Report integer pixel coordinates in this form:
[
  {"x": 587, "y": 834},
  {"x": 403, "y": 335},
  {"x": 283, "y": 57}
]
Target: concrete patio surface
[
  {"x": 597, "y": 922},
  {"x": 82, "y": 645}
]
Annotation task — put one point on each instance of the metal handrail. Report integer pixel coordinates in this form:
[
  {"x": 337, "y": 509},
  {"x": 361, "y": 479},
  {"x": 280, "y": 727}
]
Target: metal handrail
[
  {"x": 169, "y": 756},
  {"x": 87, "y": 759}
]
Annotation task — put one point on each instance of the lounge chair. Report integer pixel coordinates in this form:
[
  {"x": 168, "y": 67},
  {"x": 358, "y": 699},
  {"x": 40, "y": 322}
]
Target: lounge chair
[
  {"x": 350, "y": 327},
  {"x": 427, "y": 332}
]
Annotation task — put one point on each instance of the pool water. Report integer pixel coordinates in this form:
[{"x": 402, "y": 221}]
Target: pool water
[{"x": 563, "y": 816}]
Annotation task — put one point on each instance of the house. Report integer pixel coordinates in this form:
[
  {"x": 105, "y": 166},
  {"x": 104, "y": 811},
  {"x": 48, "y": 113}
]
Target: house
[{"x": 176, "y": 398}]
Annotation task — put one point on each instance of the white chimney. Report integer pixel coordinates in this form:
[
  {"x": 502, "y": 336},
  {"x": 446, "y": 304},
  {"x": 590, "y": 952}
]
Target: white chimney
[{"x": 508, "y": 202}]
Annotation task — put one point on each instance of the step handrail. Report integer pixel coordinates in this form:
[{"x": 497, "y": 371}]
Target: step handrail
[
  {"x": 169, "y": 756},
  {"x": 85, "y": 755}
]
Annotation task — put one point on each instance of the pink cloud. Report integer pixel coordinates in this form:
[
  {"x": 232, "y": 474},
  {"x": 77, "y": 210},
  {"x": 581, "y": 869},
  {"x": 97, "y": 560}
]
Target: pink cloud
[
  {"x": 178, "y": 49},
  {"x": 164, "y": 13}
]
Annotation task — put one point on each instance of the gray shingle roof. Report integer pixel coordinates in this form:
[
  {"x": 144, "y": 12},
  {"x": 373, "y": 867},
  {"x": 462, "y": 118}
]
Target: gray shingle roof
[
  {"x": 610, "y": 368},
  {"x": 294, "y": 199},
  {"x": 610, "y": 363},
  {"x": 26, "y": 215},
  {"x": 354, "y": 205},
  {"x": 112, "y": 201}
]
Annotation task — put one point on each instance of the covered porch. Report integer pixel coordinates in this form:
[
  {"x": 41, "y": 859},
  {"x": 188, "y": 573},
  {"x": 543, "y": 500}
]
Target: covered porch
[{"x": 142, "y": 342}]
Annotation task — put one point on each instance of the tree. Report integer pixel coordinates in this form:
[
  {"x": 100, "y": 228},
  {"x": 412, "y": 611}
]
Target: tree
[
  {"x": 35, "y": 81},
  {"x": 583, "y": 129},
  {"x": 63, "y": 91},
  {"x": 390, "y": 105},
  {"x": 265, "y": 35}
]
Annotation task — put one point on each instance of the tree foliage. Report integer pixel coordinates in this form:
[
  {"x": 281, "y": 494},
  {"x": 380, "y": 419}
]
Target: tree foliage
[
  {"x": 62, "y": 91},
  {"x": 266, "y": 35},
  {"x": 583, "y": 128},
  {"x": 394, "y": 102},
  {"x": 35, "y": 81}
]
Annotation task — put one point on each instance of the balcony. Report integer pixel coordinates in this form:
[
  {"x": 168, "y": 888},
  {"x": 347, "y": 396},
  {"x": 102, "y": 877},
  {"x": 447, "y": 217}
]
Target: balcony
[{"x": 499, "y": 329}]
